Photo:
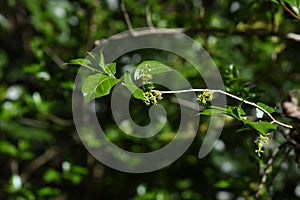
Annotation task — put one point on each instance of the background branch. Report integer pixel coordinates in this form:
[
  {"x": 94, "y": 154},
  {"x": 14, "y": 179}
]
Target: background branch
[
  {"x": 38, "y": 162},
  {"x": 210, "y": 31},
  {"x": 126, "y": 16},
  {"x": 269, "y": 168},
  {"x": 148, "y": 16}
]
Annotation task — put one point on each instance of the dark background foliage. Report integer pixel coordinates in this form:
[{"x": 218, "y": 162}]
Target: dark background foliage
[{"x": 39, "y": 145}]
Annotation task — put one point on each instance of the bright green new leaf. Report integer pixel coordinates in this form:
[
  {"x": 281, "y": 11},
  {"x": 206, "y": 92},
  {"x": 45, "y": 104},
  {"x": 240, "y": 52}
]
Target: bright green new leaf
[
  {"x": 94, "y": 60},
  {"x": 110, "y": 69},
  {"x": 223, "y": 184},
  {"x": 267, "y": 108},
  {"x": 8, "y": 148},
  {"x": 136, "y": 92},
  {"x": 102, "y": 62},
  {"x": 83, "y": 62},
  {"x": 236, "y": 112},
  {"x": 51, "y": 175},
  {"x": 151, "y": 67},
  {"x": 48, "y": 192},
  {"x": 275, "y": 1},
  {"x": 79, "y": 61},
  {"x": 262, "y": 127},
  {"x": 99, "y": 62},
  {"x": 97, "y": 85}
]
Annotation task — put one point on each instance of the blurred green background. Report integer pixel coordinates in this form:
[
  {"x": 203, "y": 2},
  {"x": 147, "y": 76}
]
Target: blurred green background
[{"x": 41, "y": 156}]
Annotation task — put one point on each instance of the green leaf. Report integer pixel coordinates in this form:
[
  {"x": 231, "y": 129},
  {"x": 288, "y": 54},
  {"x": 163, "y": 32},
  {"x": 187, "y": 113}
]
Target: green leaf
[
  {"x": 262, "y": 127},
  {"x": 153, "y": 67},
  {"x": 223, "y": 184},
  {"x": 76, "y": 169},
  {"x": 213, "y": 110},
  {"x": 94, "y": 60},
  {"x": 236, "y": 112},
  {"x": 102, "y": 62},
  {"x": 51, "y": 175},
  {"x": 110, "y": 69},
  {"x": 267, "y": 108},
  {"x": 275, "y": 1},
  {"x": 18, "y": 131},
  {"x": 97, "y": 85},
  {"x": 82, "y": 62},
  {"x": 79, "y": 61},
  {"x": 97, "y": 60},
  {"x": 136, "y": 92},
  {"x": 8, "y": 148},
  {"x": 48, "y": 192},
  {"x": 295, "y": 5}
]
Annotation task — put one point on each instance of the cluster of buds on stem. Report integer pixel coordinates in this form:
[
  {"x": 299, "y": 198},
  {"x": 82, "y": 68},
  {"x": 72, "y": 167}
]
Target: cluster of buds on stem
[
  {"x": 146, "y": 76},
  {"x": 152, "y": 97},
  {"x": 205, "y": 98}
]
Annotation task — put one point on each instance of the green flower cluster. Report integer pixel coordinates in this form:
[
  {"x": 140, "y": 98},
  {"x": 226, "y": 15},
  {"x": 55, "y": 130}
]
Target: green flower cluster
[
  {"x": 146, "y": 76},
  {"x": 152, "y": 97},
  {"x": 205, "y": 98},
  {"x": 261, "y": 141}
]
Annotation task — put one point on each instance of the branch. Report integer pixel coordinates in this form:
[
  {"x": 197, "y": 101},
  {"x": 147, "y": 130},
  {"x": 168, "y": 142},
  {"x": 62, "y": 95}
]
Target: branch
[
  {"x": 38, "y": 162},
  {"x": 232, "y": 96},
  {"x": 91, "y": 25},
  {"x": 126, "y": 16},
  {"x": 55, "y": 58},
  {"x": 148, "y": 16},
  {"x": 289, "y": 10},
  {"x": 269, "y": 168},
  {"x": 208, "y": 31}
]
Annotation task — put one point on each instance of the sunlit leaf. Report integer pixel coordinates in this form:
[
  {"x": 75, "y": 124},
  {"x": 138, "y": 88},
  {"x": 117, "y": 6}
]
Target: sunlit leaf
[
  {"x": 295, "y": 5},
  {"x": 51, "y": 175},
  {"x": 8, "y": 148},
  {"x": 83, "y": 62},
  {"x": 261, "y": 126},
  {"x": 97, "y": 85},
  {"x": 48, "y": 192},
  {"x": 234, "y": 111},
  {"x": 136, "y": 92},
  {"x": 110, "y": 68},
  {"x": 267, "y": 108},
  {"x": 152, "y": 67},
  {"x": 213, "y": 110}
]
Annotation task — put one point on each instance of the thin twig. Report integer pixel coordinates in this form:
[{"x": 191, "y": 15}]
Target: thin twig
[
  {"x": 126, "y": 16},
  {"x": 269, "y": 167},
  {"x": 148, "y": 16},
  {"x": 60, "y": 121},
  {"x": 38, "y": 162},
  {"x": 91, "y": 28},
  {"x": 55, "y": 58},
  {"x": 232, "y": 96},
  {"x": 34, "y": 122}
]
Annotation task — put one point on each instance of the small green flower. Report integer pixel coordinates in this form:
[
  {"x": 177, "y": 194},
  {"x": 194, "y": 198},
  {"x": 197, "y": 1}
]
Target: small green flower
[
  {"x": 261, "y": 141},
  {"x": 146, "y": 76},
  {"x": 259, "y": 150},
  {"x": 205, "y": 98}
]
